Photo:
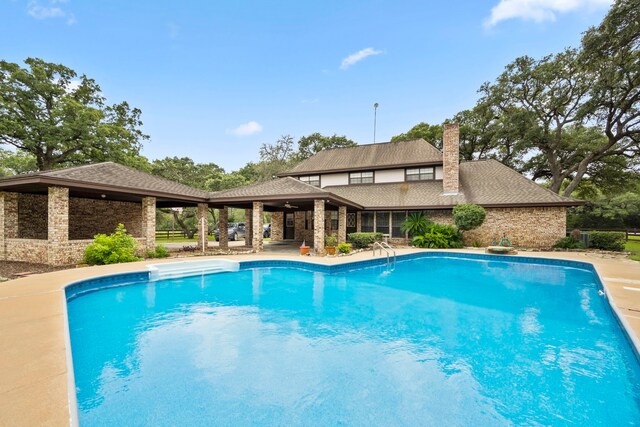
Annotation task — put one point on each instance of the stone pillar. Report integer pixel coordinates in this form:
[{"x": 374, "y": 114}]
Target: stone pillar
[
  {"x": 359, "y": 222},
  {"x": 299, "y": 225},
  {"x": 203, "y": 229},
  {"x": 342, "y": 224},
  {"x": 248, "y": 224},
  {"x": 258, "y": 237},
  {"x": 11, "y": 215},
  {"x": 450, "y": 159},
  {"x": 223, "y": 227},
  {"x": 58, "y": 227},
  {"x": 318, "y": 226},
  {"x": 277, "y": 226},
  {"x": 149, "y": 222}
]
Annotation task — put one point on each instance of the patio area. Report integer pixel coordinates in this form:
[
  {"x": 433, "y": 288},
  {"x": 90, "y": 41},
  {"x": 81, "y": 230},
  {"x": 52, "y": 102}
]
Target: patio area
[{"x": 34, "y": 357}]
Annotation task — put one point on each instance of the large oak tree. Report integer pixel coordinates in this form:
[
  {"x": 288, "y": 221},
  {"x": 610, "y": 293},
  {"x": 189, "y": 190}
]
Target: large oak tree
[{"x": 63, "y": 119}]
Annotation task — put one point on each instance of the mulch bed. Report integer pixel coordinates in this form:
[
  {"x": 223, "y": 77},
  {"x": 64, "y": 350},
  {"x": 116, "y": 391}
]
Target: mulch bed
[{"x": 15, "y": 269}]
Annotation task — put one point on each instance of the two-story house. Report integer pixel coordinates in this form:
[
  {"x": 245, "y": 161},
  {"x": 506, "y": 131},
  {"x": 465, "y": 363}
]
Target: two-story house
[{"x": 374, "y": 187}]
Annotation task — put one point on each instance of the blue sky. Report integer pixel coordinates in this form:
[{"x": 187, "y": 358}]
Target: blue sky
[{"x": 214, "y": 80}]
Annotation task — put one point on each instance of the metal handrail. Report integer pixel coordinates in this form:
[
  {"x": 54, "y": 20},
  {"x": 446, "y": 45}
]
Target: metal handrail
[{"x": 384, "y": 246}]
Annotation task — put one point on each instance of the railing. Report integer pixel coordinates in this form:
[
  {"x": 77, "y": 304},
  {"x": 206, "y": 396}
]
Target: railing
[
  {"x": 384, "y": 246},
  {"x": 176, "y": 234}
]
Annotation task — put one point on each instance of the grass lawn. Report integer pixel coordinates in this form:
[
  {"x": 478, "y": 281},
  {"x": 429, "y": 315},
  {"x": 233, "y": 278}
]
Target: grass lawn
[{"x": 633, "y": 246}]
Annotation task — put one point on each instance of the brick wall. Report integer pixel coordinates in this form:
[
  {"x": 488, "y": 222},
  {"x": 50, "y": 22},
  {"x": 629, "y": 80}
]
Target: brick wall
[
  {"x": 450, "y": 159},
  {"x": 32, "y": 216},
  {"x": 88, "y": 217},
  {"x": 277, "y": 226},
  {"x": 27, "y": 250}
]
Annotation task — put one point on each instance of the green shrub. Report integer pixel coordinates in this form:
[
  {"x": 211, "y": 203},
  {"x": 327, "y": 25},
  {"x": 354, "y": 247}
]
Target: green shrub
[
  {"x": 468, "y": 217},
  {"x": 415, "y": 224},
  {"x": 344, "y": 248},
  {"x": 476, "y": 244},
  {"x": 439, "y": 236},
  {"x": 568, "y": 242},
  {"x": 115, "y": 248},
  {"x": 330, "y": 240},
  {"x": 364, "y": 240},
  {"x": 161, "y": 252},
  {"x": 607, "y": 240}
]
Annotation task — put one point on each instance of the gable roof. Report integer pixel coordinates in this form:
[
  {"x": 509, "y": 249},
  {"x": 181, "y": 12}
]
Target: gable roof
[
  {"x": 487, "y": 183},
  {"x": 369, "y": 156},
  {"x": 109, "y": 176},
  {"x": 277, "y": 189}
]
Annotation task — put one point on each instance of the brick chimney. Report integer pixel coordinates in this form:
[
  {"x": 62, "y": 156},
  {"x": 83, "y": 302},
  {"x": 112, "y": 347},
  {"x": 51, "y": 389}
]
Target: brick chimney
[{"x": 450, "y": 159}]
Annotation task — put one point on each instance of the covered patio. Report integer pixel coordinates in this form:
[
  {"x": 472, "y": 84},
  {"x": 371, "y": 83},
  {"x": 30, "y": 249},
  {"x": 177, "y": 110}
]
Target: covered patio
[
  {"x": 51, "y": 217},
  {"x": 299, "y": 213}
]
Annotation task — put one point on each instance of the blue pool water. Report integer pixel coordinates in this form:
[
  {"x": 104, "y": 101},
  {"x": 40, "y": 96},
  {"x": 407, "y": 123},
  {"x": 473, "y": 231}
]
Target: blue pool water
[{"x": 437, "y": 341}]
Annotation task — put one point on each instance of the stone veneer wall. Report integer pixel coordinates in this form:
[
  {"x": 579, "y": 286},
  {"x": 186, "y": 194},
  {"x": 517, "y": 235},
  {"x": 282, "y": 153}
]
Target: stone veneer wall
[
  {"x": 27, "y": 250},
  {"x": 88, "y": 217},
  {"x": 277, "y": 226},
  {"x": 32, "y": 216}
]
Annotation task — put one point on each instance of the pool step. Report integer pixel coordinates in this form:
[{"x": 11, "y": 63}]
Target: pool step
[{"x": 171, "y": 270}]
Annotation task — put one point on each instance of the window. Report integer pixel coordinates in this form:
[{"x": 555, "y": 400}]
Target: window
[
  {"x": 382, "y": 222},
  {"x": 311, "y": 180},
  {"x": 397, "y": 218},
  {"x": 361, "y": 178},
  {"x": 366, "y": 222},
  {"x": 421, "y": 174},
  {"x": 334, "y": 221}
]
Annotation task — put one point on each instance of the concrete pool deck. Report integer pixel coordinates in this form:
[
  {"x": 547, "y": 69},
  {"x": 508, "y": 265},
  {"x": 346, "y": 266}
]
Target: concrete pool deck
[{"x": 34, "y": 382}]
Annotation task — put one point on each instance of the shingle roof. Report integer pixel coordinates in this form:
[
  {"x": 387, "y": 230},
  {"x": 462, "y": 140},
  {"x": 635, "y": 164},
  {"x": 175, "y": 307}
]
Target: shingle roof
[
  {"x": 482, "y": 182},
  {"x": 286, "y": 188},
  {"x": 111, "y": 174},
  {"x": 277, "y": 187},
  {"x": 388, "y": 154}
]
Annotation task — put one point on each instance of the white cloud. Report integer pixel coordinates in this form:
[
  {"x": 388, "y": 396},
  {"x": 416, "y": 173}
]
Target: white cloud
[
  {"x": 246, "y": 129},
  {"x": 538, "y": 10},
  {"x": 358, "y": 56},
  {"x": 50, "y": 10}
]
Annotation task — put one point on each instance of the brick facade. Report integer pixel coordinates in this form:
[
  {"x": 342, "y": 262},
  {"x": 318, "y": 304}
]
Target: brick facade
[
  {"x": 248, "y": 227},
  {"x": 342, "y": 224},
  {"x": 223, "y": 227},
  {"x": 318, "y": 226},
  {"x": 258, "y": 236},
  {"x": 277, "y": 226},
  {"x": 203, "y": 226},
  {"x": 450, "y": 159}
]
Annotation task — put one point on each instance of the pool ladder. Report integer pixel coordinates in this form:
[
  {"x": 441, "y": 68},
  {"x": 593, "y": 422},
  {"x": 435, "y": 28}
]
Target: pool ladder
[{"x": 384, "y": 246}]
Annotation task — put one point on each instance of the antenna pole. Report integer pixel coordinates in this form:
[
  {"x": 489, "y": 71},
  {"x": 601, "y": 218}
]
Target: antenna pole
[{"x": 375, "y": 117}]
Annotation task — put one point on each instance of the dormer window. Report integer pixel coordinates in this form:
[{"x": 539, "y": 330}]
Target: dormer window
[
  {"x": 421, "y": 174},
  {"x": 311, "y": 180},
  {"x": 361, "y": 178}
]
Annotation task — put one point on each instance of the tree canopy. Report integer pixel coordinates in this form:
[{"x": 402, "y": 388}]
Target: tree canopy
[{"x": 62, "y": 119}]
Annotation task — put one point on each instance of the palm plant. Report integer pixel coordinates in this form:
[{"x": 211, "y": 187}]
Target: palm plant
[{"x": 416, "y": 224}]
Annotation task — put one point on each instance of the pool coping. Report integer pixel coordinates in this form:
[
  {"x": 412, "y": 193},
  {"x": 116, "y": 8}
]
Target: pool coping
[{"x": 41, "y": 286}]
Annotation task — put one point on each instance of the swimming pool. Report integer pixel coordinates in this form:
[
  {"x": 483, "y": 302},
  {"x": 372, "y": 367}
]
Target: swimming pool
[{"x": 439, "y": 340}]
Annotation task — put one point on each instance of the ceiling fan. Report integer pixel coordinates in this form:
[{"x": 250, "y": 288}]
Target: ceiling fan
[{"x": 290, "y": 206}]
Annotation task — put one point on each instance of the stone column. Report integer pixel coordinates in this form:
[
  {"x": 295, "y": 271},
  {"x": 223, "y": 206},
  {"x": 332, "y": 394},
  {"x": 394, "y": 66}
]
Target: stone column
[
  {"x": 318, "y": 226},
  {"x": 223, "y": 227},
  {"x": 257, "y": 226},
  {"x": 277, "y": 226},
  {"x": 299, "y": 218},
  {"x": 342, "y": 224},
  {"x": 248, "y": 223},
  {"x": 359, "y": 221},
  {"x": 203, "y": 229},
  {"x": 58, "y": 225},
  {"x": 149, "y": 222}
]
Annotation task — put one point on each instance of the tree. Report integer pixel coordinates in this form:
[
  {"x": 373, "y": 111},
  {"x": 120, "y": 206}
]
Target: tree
[
  {"x": 430, "y": 133},
  {"x": 467, "y": 217},
  {"x": 185, "y": 171},
  {"x": 316, "y": 142},
  {"x": 62, "y": 119},
  {"x": 14, "y": 163}
]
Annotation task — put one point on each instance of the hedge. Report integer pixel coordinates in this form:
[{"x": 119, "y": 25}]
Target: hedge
[
  {"x": 607, "y": 240},
  {"x": 364, "y": 240}
]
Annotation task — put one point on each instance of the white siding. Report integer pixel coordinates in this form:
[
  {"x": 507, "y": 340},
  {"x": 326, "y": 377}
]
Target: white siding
[
  {"x": 438, "y": 172},
  {"x": 334, "y": 179},
  {"x": 390, "y": 175}
]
